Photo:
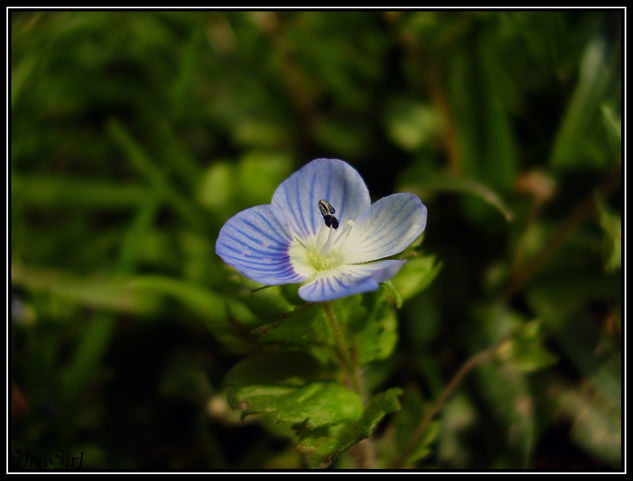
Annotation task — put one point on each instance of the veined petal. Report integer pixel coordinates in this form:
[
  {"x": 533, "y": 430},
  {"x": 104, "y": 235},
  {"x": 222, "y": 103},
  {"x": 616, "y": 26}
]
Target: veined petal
[
  {"x": 255, "y": 242},
  {"x": 349, "y": 279},
  {"x": 388, "y": 227},
  {"x": 330, "y": 179}
]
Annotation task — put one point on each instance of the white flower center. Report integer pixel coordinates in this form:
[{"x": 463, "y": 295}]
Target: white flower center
[{"x": 320, "y": 253}]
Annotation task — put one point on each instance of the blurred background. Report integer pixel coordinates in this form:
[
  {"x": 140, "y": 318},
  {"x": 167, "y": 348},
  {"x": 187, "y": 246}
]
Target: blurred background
[{"x": 134, "y": 135}]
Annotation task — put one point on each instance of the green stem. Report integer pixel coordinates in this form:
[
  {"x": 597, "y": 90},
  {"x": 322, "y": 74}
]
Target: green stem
[
  {"x": 344, "y": 350},
  {"x": 363, "y": 453}
]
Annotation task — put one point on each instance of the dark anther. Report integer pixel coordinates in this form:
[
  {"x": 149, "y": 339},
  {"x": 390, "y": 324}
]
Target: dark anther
[{"x": 327, "y": 212}]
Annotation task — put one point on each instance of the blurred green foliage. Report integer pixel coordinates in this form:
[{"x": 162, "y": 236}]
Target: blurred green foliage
[{"x": 135, "y": 134}]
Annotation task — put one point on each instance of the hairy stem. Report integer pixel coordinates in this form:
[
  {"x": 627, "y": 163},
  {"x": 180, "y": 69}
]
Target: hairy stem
[
  {"x": 343, "y": 348},
  {"x": 363, "y": 453}
]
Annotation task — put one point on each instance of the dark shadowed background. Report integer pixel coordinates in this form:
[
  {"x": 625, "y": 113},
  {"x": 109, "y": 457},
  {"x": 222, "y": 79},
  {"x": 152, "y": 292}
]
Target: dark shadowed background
[{"x": 135, "y": 134}]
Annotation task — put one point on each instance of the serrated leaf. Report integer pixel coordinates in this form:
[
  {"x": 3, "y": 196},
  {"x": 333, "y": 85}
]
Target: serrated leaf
[
  {"x": 415, "y": 276},
  {"x": 292, "y": 387},
  {"x": 316, "y": 404},
  {"x": 320, "y": 447}
]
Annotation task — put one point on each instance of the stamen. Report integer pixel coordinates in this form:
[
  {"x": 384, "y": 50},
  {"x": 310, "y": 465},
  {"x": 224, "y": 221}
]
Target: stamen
[
  {"x": 330, "y": 240},
  {"x": 327, "y": 211},
  {"x": 344, "y": 233}
]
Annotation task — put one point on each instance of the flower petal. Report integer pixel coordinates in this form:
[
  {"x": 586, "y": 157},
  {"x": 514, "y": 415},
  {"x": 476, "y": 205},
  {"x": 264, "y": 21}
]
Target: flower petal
[
  {"x": 330, "y": 179},
  {"x": 349, "y": 279},
  {"x": 387, "y": 228},
  {"x": 255, "y": 242}
]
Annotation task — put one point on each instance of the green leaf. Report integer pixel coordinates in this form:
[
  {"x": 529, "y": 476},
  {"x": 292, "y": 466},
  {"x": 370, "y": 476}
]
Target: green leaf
[
  {"x": 595, "y": 75},
  {"x": 394, "y": 293},
  {"x": 499, "y": 158},
  {"x": 305, "y": 325},
  {"x": 405, "y": 423},
  {"x": 292, "y": 387},
  {"x": 367, "y": 319},
  {"x": 321, "y": 447},
  {"x": 268, "y": 304},
  {"x": 97, "y": 292},
  {"x": 524, "y": 350},
  {"x": 416, "y": 275},
  {"x": 376, "y": 333}
]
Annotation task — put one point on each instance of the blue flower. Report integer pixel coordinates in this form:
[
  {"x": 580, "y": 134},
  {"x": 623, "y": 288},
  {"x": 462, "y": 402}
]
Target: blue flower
[{"x": 332, "y": 247}]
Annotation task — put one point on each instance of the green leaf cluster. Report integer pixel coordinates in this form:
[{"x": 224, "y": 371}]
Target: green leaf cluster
[{"x": 295, "y": 377}]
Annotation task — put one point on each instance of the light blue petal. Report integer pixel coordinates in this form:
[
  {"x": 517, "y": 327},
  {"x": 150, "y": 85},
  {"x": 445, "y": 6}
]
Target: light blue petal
[
  {"x": 330, "y": 179},
  {"x": 348, "y": 280},
  {"x": 255, "y": 242},
  {"x": 388, "y": 227}
]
